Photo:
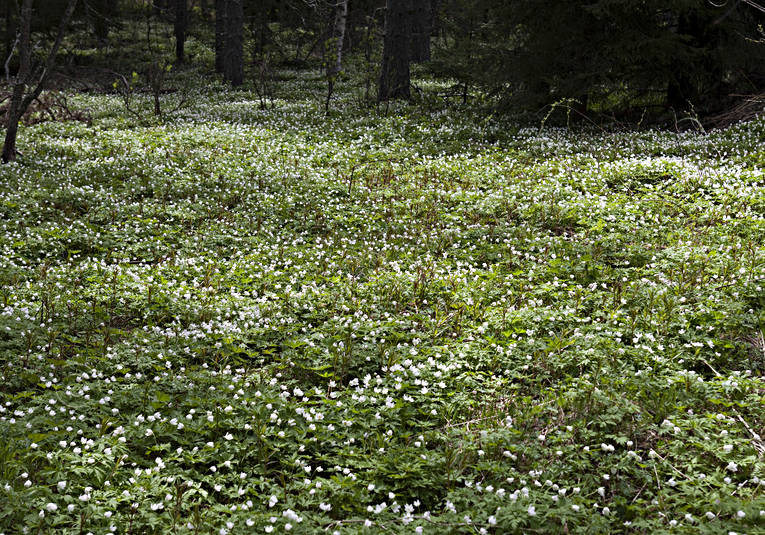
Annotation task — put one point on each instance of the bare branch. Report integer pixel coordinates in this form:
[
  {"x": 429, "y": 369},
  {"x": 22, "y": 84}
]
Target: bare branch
[
  {"x": 52, "y": 54},
  {"x": 10, "y": 56}
]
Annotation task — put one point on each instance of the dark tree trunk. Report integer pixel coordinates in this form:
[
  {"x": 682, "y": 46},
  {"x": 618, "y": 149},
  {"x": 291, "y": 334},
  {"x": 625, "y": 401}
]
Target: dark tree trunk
[
  {"x": 12, "y": 123},
  {"x": 680, "y": 91},
  {"x": 687, "y": 90},
  {"x": 422, "y": 22},
  {"x": 220, "y": 34},
  {"x": 204, "y": 7},
  {"x": 102, "y": 12},
  {"x": 21, "y": 98},
  {"x": 10, "y": 30},
  {"x": 15, "y": 110},
  {"x": 435, "y": 20},
  {"x": 233, "y": 64},
  {"x": 394, "y": 75},
  {"x": 180, "y": 28}
]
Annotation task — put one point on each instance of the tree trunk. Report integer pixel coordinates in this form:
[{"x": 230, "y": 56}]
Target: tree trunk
[
  {"x": 338, "y": 35},
  {"x": 435, "y": 21},
  {"x": 101, "y": 14},
  {"x": 220, "y": 34},
  {"x": 233, "y": 64},
  {"x": 12, "y": 123},
  {"x": 180, "y": 29},
  {"x": 10, "y": 30},
  {"x": 394, "y": 75},
  {"x": 422, "y": 22},
  {"x": 23, "y": 76},
  {"x": 204, "y": 7},
  {"x": 20, "y": 97}
]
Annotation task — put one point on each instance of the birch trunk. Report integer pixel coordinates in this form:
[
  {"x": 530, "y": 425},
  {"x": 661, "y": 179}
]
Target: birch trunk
[{"x": 338, "y": 34}]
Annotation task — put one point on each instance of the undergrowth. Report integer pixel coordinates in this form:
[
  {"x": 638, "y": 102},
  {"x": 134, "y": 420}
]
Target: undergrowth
[{"x": 233, "y": 319}]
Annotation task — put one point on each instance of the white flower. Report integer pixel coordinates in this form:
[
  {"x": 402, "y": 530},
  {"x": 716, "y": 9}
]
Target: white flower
[
  {"x": 51, "y": 507},
  {"x": 733, "y": 467},
  {"x": 272, "y": 501},
  {"x": 728, "y": 448},
  {"x": 531, "y": 510},
  {"x": 61, "y": 485}
]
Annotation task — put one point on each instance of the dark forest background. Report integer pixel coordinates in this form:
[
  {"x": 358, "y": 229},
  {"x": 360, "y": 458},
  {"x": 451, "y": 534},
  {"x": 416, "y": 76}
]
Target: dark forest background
[{"x": 621, "y": 59}]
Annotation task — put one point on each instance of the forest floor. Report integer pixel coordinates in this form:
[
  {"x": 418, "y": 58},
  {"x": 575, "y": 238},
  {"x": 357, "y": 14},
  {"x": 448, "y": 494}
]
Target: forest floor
[{"x": 238, "y": 320}]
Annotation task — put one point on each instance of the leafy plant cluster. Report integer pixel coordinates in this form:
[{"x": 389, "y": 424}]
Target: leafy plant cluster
[{"x": 238, "y": 319}]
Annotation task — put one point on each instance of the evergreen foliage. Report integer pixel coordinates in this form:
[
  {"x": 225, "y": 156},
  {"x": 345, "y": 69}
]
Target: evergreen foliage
[{"x": 606, "y": 54}]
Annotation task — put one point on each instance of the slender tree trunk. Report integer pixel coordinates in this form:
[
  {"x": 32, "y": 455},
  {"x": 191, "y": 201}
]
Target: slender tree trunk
[
  {"x": 394, "y": 75},
  {"x": 10, "y": 30},
  {"x": 233, "y": 64},
  {"x": 435, "y": 21},
  {"x": 20, "y": 97},
  {"x": 204, "y": 7},
  {"x": 12, "y": 124},
  {"x": 180, "y": 29},
  {"x": 338, "y": 35},
  {"x": 101, "y": 14},
  {"x": 220, "y": 34},
  {"x": 422, "y": 21},
  {"x": 23, "y": 76}
]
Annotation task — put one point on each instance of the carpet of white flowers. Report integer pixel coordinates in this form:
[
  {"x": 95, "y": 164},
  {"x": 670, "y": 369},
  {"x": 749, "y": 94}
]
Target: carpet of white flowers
[{"x": 238, "y": 320}]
